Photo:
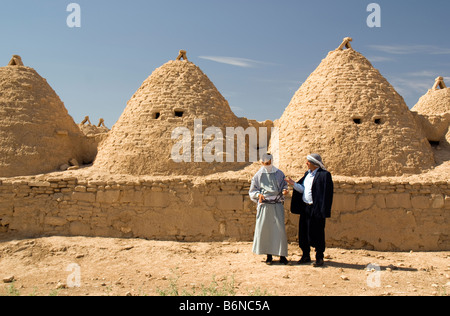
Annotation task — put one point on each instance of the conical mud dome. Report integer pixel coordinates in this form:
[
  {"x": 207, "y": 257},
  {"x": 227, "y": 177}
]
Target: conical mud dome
[
  {"x": 436, "y": 101},
  {"x": 347, "y": 112},
  {"x": 169, "y": 101},
  {"x": 434, "y": 113},
  {"x": 37, "y": 135}
]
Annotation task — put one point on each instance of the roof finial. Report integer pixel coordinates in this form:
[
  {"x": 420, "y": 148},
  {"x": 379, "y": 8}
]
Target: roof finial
[
  {"x": 86, "y": 120},
  {"x": 346, "y": 43},
  {"x": 182, "y": 54},
  {"x": 439, "y": 83},
  {"x": 16, "y": 60},
  {"x": 101, "y": 123}
]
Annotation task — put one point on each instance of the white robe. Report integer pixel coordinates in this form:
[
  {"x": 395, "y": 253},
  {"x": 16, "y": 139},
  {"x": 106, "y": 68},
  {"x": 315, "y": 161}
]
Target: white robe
[{"x": 270, "y": 231}]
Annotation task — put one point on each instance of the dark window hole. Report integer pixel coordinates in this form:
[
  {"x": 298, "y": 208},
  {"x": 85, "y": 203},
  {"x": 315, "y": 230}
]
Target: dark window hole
[
  {"x": 377, "y": 121},
  {"x": 434, "y": 143},
  {"x": 357, "y": 121},
  {"x": 156, "y": 115},
  {"x": 179, "y": 114}
]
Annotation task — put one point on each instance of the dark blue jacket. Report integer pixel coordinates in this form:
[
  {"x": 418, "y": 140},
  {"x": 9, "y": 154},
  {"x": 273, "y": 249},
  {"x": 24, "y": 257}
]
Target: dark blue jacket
[{"x": 322, "y": 194}]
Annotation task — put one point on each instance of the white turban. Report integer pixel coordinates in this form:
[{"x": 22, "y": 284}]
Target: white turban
[
  {"x": 317, "y": 160},
  {"x": 266, "y": 157}
]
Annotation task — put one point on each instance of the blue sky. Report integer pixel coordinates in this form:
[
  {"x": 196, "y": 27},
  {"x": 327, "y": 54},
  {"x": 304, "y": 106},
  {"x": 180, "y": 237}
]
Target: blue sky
[{"x": 256, "y": 52}]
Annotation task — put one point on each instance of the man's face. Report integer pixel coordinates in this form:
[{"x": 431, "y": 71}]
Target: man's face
[
  {"x": 310, "y": 165},
  {"x": 266, "y": 163}
]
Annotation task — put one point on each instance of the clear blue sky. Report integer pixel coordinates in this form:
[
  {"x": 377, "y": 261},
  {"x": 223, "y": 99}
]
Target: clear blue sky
[{"x": 256, "y": 52}]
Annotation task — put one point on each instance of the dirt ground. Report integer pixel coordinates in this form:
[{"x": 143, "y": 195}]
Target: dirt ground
[{"x": 125, "y": 267}]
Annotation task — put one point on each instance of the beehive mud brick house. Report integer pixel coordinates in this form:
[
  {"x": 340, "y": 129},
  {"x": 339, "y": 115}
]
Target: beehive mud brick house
[{"x": 390, "y": 165}]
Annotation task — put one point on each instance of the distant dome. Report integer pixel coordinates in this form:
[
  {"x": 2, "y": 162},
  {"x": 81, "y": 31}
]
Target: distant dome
[
  {"x": 347, "y": 112},
  {"x": 37, "y": 135},
  {"x": 435, "y": 106},
  {"x": 436, "y": 101},
  {"x": 173, "y": 96}
]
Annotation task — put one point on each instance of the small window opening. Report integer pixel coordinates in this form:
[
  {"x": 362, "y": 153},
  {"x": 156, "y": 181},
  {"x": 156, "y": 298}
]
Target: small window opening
[
  {"x": 377, "y": 121},
  {"x": 434, "y": 144},
  {"x": 357, "y": 121},
  {"x": 156, "y": 115},
  {"x": 179, "y": 113}
]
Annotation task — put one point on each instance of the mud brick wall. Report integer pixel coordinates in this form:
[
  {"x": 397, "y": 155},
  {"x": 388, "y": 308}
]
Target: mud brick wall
[
  {"x": 371, "y": 214},
  {"x": 398, "y": 216}
]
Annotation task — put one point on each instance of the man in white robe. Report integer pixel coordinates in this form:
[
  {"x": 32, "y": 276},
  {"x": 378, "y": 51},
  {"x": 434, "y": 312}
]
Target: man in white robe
[{"x": 267, "y": 190}]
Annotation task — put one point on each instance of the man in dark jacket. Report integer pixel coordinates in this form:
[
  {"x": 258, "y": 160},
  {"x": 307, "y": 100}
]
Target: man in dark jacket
[{"x": 312, "y": 199}]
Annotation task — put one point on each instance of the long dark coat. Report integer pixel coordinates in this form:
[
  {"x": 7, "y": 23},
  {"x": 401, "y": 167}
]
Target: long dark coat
[{"x": 322, "y": 194}]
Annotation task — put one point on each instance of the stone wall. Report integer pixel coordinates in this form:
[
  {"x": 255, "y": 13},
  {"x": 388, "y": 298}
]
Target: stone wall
[
  {"x": 368, "y": 214},
  {"x": 391, "y": 216}
]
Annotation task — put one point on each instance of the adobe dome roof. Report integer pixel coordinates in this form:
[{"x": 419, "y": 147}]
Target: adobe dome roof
[
  {"x": 436, "y": 101},
  {"x": 350, "y": 114},
  {"x": 37, "y": 135},
  {"x": 174, "y": 95}
]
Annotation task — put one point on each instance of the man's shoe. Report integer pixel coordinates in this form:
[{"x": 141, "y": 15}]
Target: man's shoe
[
  {"x": 318, "y": 263},
  {"x": 283, "y": 260},
  {"x": 269, "y": 260},
  {"x": 304, "y": 260}
]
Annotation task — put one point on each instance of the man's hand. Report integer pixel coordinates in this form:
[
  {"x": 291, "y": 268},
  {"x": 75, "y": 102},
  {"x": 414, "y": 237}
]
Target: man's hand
[
  {"x": 285, "y": 192},
  {"x": 289, "y": 181},
  {"x": 261, "y": 198}
]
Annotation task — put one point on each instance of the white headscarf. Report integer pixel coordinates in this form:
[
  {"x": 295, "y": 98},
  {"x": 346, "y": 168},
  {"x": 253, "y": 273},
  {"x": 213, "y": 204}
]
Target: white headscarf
[
  {"x": 267, "y": 157},
  {"x": 317, "y": 160},
  {"x": 268, "y": 169}
]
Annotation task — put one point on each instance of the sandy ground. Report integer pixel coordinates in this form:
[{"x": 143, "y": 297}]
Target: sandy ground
[{"x": 118, "y": 267}]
